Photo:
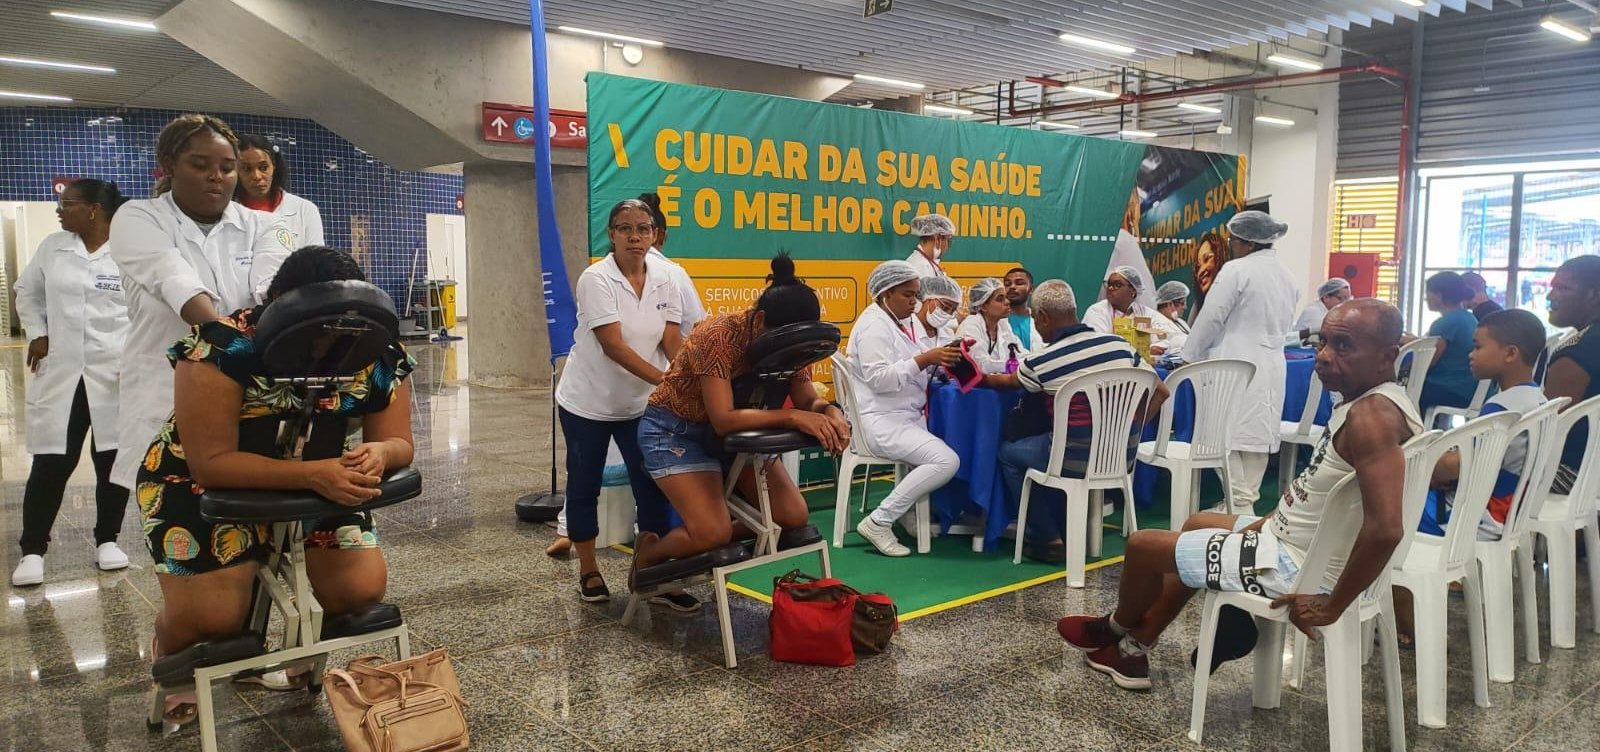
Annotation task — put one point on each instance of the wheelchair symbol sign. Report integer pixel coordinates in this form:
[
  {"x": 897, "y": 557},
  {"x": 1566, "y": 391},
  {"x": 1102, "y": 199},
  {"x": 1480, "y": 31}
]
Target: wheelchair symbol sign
[{"x": 524, "y": 127}]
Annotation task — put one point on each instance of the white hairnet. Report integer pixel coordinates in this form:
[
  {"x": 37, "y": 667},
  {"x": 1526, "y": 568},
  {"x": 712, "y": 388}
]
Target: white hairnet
[
  {"x": 888, "y": 275},
  {"x": 929, "y": 225},
  {"x": 1332, "y": 286},
  {"x": 1131, "y": 275},
  {"x": 980, "y": 291},
  {"x": 941, "y": 287},
  {"x": 1171, "y": 291},
  {"x": 1256, "y": 227}
]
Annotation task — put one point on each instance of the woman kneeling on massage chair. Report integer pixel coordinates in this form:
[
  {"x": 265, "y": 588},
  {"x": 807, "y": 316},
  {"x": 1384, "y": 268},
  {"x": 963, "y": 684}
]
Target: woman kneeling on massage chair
[
  {"x": 695, "y": 399},
  {"x": 205, "y": 570}
]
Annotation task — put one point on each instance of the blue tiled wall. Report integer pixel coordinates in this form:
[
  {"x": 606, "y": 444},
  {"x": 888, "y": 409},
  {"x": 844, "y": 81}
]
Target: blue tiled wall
[{"x": 39, "y": 143}]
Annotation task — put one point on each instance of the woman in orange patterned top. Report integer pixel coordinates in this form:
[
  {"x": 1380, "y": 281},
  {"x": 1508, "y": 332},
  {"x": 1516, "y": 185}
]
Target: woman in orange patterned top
[{"x": 695, "y": 399}]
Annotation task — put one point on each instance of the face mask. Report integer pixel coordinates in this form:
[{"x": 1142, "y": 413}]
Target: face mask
[{"x": 939, "y": 317}]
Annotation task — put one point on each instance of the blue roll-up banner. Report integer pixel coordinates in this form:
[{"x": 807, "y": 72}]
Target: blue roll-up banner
[{"x": 561, "y": 312}]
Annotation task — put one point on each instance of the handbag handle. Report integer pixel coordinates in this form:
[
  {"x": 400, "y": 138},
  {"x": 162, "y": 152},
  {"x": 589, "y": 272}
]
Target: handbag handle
[{"x": 355, "y": 687}]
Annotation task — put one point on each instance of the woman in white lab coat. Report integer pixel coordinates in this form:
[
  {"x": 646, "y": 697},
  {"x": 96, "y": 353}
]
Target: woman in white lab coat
[
  {"x": 1171, "y": 300},
  {"x": 264, "y": 186},
  {"x": 1124, "y": 287},
  {"x": 994, "y": 346},
  {"x": 1247, "y": 310},
  {"x": 70, "y": 301},
  {"x": 889, "y": 369},
  {"x": 934, "y": 233},
  {"x": 185, "y": 255}
]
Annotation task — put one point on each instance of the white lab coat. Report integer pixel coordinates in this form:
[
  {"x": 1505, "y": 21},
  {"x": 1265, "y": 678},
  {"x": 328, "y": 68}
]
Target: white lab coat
[
  {"x": 1177, "y": 336},
  {"x": 890, "y": 390},
  {"x": 74, "y": 297},
  {"x": 302, "y": 218},
  {"x": 924, "y": 267},
  {"x": 991, "y": 356},
  {"x": 1310, "y": 318},
  {"x": 1102, "y": 318},
  {"x": 165, "y": 260},
  {"x": 694, "y": 310},
  {"x": 1245, "y": 315}
]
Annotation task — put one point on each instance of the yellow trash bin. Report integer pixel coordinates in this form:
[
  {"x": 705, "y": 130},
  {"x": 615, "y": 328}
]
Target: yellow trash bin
[{"x": 444, "y": 294}]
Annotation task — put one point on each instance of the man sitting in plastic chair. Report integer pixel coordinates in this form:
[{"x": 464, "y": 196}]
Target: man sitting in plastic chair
[
  {"x": 264, "y": 399},
  {"x": 1163, "y": 569}
]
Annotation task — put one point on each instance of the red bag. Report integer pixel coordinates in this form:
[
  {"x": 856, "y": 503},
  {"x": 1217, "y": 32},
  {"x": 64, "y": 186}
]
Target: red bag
[{"x": 811, "y": 620}]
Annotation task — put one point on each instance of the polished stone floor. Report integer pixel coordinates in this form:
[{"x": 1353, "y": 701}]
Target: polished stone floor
[{"x": 544, "y": 671}]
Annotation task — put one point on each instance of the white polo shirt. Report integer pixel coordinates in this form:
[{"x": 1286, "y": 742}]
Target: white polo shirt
[{"x": 594, "y": 386}]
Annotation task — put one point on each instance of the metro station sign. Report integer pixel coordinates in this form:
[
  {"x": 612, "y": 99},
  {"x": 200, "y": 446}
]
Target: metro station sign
[{"x": 513, "y": 124}]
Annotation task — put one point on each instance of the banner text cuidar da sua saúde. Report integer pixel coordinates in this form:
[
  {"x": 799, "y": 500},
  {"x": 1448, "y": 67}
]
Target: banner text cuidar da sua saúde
[{"x": 742, "y": 176}]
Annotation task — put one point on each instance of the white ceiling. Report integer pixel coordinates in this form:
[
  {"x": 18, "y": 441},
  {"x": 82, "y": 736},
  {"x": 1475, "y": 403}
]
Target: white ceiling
[{"x": 153, "y": 70}]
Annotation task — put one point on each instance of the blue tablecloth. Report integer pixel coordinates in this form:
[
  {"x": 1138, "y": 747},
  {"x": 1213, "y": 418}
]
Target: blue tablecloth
[
  {"x": 970, "y": 424},
  {"x": 1297, "y": 387}
]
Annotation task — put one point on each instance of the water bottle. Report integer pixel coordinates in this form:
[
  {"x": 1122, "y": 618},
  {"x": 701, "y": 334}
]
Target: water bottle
[{"x": 1011, "y": 362}]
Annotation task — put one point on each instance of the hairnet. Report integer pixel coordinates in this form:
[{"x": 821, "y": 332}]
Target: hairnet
[
  {"x": 1171, "y": 291},
  {"x": 980, "y": 291},
  {"x": 941, "y": 287},
  {"x": 890, "y": 274},
  {"x": 1131, "y": 275},
  {"x": 1332, "y": 286},
  {"x": 1256, "y": 227},
  {"x": 929, "y": 225}
]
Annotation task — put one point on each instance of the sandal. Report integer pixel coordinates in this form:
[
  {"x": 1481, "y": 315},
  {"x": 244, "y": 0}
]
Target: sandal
[
  {"x": 288, "y": 679},
  {"x": 593, "y": 594},
  {"x": 178, "y": 708}
]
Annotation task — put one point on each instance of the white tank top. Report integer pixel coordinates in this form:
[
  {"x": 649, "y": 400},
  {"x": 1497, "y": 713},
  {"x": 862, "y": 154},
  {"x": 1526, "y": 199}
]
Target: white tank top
[{"x": 1303, "y": 504}]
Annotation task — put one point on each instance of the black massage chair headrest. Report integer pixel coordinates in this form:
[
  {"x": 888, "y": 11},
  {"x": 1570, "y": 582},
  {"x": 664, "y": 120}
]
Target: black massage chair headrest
[
  {"x": 326, "y": 329},
  {"x": 775, "y": 356}
]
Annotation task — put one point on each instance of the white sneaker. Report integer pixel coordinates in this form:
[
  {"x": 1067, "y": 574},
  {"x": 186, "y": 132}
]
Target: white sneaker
[
  {"x": 109, "y": 558},
  {"x": 882, "y": 538},
  {"x": 29, "y": 571}
]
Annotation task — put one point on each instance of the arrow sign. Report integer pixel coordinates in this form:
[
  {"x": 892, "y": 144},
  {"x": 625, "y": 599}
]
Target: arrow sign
[{"x": 514, "y": 124}]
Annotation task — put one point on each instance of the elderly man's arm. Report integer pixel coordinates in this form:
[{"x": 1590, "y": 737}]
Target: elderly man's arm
[{"x": 1371, "y": 440}]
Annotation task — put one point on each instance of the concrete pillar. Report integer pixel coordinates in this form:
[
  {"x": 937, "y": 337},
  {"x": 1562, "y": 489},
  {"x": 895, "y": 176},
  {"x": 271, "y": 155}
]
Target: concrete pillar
[{"x": 511, "y": 345}]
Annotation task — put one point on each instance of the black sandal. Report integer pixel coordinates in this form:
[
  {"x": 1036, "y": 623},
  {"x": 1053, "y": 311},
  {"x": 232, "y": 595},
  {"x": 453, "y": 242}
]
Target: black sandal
[{"x": 597, "y": 594}]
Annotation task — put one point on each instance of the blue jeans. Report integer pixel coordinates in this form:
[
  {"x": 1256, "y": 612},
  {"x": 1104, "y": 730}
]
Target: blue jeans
[
  {"x": 587, "y": 442},
  {"x": 1047, "y": 507}
]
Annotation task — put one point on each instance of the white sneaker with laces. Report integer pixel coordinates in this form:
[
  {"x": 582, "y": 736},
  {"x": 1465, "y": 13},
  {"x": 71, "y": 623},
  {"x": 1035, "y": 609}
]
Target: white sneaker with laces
[
  {"x": 109, "y": 558},
  {"x": 882, "y": 538},
  {"x": 29, "y": 571}
]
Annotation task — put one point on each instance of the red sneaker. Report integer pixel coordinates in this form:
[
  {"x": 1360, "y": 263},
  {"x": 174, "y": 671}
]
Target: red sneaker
[
  {"x": 1128, "y": 671},
  {"x": 1087, "y": 633}
]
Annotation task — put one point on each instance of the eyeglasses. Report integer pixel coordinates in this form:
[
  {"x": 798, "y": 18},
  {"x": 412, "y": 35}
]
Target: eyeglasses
[
  {"x": 66, "y": 202},
  {"x": 634, "y": 229},
  {"x": 1115, "y": 284}
]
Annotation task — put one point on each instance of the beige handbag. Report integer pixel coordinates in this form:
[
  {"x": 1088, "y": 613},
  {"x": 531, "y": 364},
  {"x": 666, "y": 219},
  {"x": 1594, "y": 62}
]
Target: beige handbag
[{"x": 414, "y": 705}]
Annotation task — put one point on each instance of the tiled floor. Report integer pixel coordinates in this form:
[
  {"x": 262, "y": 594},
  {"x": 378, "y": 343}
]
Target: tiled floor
[{"x": 543, "y": 671}]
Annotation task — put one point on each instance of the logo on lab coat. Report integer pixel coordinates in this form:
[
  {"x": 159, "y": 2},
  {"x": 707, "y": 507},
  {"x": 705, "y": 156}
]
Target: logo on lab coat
[
  {"x": 286, "y": 239},
  {"x": 108, "y": 282}
]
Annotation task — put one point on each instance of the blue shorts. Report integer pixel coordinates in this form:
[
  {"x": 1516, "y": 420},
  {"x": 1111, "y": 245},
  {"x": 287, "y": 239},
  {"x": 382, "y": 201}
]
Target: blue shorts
[
  {"x": 1225, "y": 560},
  {"x": 672, "y": 445}
]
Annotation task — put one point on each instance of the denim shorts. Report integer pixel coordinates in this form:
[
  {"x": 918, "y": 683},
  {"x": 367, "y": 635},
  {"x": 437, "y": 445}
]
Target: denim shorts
[
  {"x": 1225, "y": 560},
  {"x": 672, "y": 445}
]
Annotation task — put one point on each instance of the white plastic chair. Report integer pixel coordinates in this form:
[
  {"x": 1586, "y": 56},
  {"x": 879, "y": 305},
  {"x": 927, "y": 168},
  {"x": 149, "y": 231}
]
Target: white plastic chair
[
  {"x": 1217, "y": 386},
  {"x": 1412, "y": 371},
  {"x": 1116, "y": 398},
  {"x": 1434, "y": 562},
  {"x": 1293, "y": 435},
  {"x": 1497, "y": 557},
  {"x": 1469, "y": 412},
  {"x": 1343, "y": 641},
  {"x": 1559, "y": 518},
  {"x": 858, "y": 456}
]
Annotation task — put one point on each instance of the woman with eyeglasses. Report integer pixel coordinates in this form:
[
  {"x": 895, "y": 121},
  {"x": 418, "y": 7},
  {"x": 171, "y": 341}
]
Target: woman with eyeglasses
[
  {"x": 69, "y": 299},
  {"x": 629, "y": 312}
]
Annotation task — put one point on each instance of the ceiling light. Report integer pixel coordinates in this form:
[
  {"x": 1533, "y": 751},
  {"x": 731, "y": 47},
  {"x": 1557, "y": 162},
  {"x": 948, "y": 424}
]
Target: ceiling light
[
  {"x": 945, "y": 109},
  {"x": 889, "y": 81},
  {"x": 127, "y": 23},
  {"x": 1088, "y": 92},
  {"x": 1290, "y": 61},
  {"x": 1576, "y": 34},
  {"x": 1135, "y": 133},
  {"x": 1416, "y": 3},
  {"x": 1206, "y": 108},
  {"x": 25, "y": 95},
  {"x": 1270, "y": 120},
  {"x": 607, "y": 35},
  {"x": 1058, "y": 124},
  {"x": 1098, "y": 44},
  {"x": 49, "y": 64}
]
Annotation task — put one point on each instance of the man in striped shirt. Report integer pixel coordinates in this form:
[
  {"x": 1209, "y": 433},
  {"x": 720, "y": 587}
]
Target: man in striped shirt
[{"x": 1074, "y": 349}]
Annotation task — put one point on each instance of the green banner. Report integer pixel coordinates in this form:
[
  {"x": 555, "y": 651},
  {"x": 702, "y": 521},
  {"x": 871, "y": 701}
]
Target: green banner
[{"x": 742, "y": 176}]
